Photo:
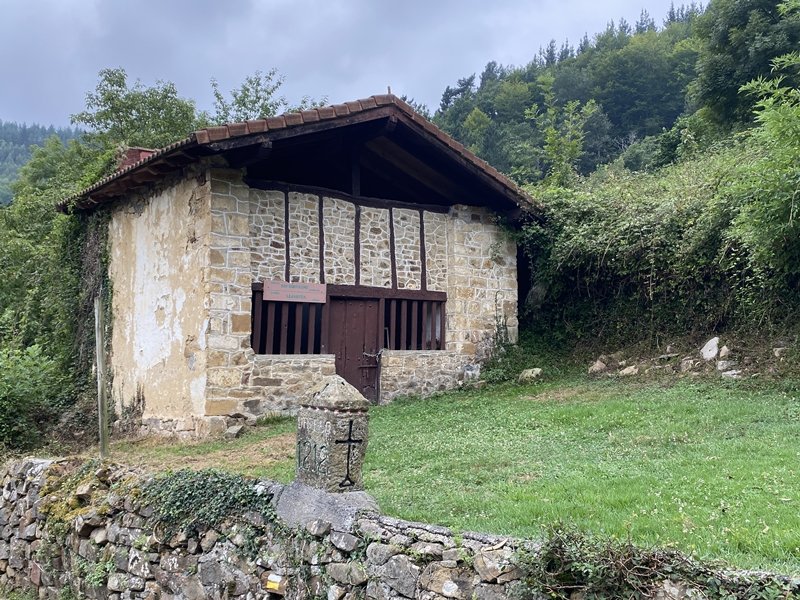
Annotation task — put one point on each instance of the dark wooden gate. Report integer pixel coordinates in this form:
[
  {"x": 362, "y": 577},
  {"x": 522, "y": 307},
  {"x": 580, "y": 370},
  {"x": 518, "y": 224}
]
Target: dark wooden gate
[{"x": 354, "y": 339}]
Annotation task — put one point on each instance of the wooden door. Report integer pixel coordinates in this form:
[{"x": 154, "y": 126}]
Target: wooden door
[{"x": 353, "y": 338}]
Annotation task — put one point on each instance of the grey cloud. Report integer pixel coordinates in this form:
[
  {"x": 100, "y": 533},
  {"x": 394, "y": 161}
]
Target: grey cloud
[{"x": 342, "y": 49}]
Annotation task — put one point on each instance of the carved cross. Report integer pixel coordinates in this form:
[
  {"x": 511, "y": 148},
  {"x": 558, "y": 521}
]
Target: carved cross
[{"x": 350, "y": 441}]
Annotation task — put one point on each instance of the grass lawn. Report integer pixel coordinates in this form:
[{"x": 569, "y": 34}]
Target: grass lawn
[{"x": 708, "y": 467}]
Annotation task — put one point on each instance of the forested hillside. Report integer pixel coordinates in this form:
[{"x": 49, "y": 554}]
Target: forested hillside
[
  {"x": 667, "y": 161},
  {"x": 15, "y": 149},
  {"x": 623, "y": 90}
]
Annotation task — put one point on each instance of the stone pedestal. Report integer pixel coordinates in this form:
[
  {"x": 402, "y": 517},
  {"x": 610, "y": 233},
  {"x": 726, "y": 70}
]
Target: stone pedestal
[{"x": 332, "y": 437}]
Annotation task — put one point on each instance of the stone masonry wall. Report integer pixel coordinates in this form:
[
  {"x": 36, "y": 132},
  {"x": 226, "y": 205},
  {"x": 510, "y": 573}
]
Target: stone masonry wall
[
  {"x": 268, "y": 251},
  {"x": 339, "y": 217},
  {"x": 407, "y": 248},
  {"x": 376, "y": 256},
  {"x": 417, "y": 372},
  {"x": 279, "y": 381},
  {"x": 467, "y": 255},
  {"x": 247, "y": 243},
  {"x": 436, "y": 244},
  {"x": 111, "y": 550},
  {"x": 303, "y": 238},
  {"x": 230, "y": 355},
  {"x": 182, "y": 309},
  {"x": 481, "y": 282}
]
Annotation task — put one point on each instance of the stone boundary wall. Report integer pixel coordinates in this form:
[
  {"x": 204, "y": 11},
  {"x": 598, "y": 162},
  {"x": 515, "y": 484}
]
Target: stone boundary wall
[
  {"x": 316, "y": 545},
  {"x": 101, "y": 543}
]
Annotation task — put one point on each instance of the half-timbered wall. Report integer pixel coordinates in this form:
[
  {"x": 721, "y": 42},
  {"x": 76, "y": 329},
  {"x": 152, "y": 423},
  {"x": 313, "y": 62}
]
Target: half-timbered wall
[{"x": 300, "y": 234}]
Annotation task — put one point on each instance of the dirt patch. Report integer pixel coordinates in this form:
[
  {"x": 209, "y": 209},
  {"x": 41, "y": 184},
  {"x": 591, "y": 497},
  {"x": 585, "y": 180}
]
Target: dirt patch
[
  {"x": 263, "y": 454},
  {"x": 557, "y": 395},
  {"x": 245, "y": 455}
]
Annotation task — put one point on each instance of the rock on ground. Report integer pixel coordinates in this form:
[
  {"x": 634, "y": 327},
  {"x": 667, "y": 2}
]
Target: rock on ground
[
  {"x": 598, "y": 367},
  {"x": 711, "y": 349},
  {"x": 529, "y": 375}
]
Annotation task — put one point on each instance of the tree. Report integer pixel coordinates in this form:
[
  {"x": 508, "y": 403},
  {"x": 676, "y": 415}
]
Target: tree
[
  {"x": 51, "y": 263},
  {"x": 255, "y": 98},
  {"x": 457, "y": 102},
  {"x": 642, "y": 86},
  {"x": 119, "y": 114},
  {"x": 476, "y": 125},
  {"x": 584, "y": 45},
  {"x": 645, "y": 22},
  {"x": 563, "y": 131},
  {"x": 769, "y": 223},
  {"x": 549, "y": 55},
  {"x": 739, "y": 40},
  {"x": 512, "y": 98}
]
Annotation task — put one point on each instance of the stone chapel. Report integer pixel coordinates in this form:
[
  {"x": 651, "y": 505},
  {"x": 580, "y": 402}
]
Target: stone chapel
[{"x": 248, "y": 261}]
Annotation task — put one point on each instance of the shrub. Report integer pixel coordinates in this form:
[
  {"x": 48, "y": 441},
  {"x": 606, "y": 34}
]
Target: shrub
[
  {"x": 31, "y": 390},
  {"x": 570, "y": 563},
  {"x": 634, "y": 256}
]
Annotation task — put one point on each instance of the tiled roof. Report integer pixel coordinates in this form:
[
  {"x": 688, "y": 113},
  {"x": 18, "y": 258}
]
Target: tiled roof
[{"x": 213, "y": 135}]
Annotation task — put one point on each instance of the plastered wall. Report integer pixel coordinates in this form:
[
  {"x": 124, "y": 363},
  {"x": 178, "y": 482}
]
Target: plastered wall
[{"x": 158, "y": 255}]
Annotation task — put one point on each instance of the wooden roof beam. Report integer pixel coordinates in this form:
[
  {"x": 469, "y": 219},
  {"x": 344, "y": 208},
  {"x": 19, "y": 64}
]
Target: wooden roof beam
[
  {"x": 443, "y": 149},
  {"x": 389, "y": 173},
  {"x": 414, "y": 167}
]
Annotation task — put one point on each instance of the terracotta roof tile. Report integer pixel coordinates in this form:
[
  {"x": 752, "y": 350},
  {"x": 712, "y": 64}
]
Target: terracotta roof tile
[
  {"x": 293, "y": 119},
  {"x": 341, "y": 110},
  {"x": 310, "y": 116},
  {"x": 216, "y": 134},
  {"x": 257, "y": 126},
  {"x": 237, "y": 129},
  {"x": 326, "y": 112},
  {"x": 353, "y": 106},
  {"x": 202, "y": 136},
  {"x": 383, "y": 99},
  {"x": 276, "y": 122}
]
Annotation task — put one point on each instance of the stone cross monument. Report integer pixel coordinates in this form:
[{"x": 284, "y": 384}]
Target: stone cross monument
[{"x": 332, "y": 437}]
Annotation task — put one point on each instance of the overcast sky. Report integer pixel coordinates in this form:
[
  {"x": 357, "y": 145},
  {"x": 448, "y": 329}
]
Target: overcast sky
[{"x": 52, "y": 50}]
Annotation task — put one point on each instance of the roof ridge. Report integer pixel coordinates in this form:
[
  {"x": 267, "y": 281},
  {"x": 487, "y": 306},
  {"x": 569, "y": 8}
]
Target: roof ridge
[{"x": 293, "y": 118}]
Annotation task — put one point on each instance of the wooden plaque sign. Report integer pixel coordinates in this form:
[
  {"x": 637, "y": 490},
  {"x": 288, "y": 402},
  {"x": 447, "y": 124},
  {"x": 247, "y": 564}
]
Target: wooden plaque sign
[{"x": 281, "y": 291}]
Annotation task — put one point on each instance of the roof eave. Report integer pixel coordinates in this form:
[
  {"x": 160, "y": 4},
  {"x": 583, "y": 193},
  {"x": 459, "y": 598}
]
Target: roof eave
[{"x": 215, "y": 140}]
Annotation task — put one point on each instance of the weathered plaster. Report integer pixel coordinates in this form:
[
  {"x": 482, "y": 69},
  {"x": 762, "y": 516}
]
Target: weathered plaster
[{"x": 158, "y": 251}]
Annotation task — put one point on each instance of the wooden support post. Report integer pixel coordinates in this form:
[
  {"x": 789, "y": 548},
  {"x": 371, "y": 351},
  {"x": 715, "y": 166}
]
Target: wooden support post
[{"x": 102, "y": 404}]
